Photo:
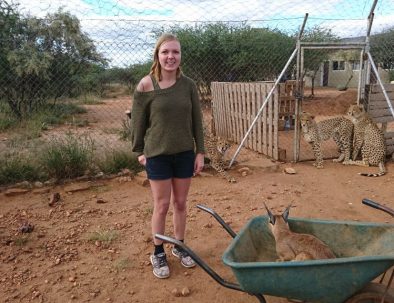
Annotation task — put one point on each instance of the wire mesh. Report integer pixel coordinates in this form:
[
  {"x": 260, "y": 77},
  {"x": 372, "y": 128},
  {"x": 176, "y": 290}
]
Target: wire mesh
[{"x": 92, "y": 53}]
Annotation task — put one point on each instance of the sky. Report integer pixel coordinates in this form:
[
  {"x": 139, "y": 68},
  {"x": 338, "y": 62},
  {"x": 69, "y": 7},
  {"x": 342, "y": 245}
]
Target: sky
[{"x": 118, "y": 26}]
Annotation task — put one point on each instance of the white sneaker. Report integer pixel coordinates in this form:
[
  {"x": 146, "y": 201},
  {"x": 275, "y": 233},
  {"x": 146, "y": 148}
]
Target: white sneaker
[
  {"x": 160, "y": 266},
  {"x": 186, "y": 260}
]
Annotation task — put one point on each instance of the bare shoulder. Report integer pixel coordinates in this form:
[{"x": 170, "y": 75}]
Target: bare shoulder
[{"x": 145, "y": 84}]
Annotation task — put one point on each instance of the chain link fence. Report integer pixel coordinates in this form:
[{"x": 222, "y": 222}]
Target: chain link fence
[{"x": 68, "y": 68}]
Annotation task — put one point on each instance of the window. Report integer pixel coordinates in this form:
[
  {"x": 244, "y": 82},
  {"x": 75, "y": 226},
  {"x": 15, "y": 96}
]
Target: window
[
  {"x": 338, "y": 65},
  {"x": 355, "y": 64}
]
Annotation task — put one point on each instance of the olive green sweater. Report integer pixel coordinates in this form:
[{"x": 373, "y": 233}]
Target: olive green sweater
[{"x": 167, "y": 121}]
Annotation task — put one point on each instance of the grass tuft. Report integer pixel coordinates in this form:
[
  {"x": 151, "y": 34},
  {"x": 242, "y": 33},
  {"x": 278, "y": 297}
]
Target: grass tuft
[
  {"x": 17, "y": 167},
  {"x": 122, "y": 264},
  {"x": 68, "y": 157},
  {"x": 104, "y": 236},
  {"x": 116, "y": 160}
]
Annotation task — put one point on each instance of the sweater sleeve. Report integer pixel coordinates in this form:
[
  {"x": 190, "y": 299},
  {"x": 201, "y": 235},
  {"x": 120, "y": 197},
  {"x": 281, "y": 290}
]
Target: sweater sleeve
[
  {"x": 197, "y": 121},
  {"x": 139, "y": 120}
]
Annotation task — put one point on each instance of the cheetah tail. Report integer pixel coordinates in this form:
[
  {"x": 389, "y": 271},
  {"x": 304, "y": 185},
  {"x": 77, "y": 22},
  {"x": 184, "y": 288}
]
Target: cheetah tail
[{"x": 382, "y": 171}]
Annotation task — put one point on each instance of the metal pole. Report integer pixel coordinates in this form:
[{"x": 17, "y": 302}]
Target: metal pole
[
  {"x": 370, "y": 16},
  {"x": 369, "y": 27},
  {"x": 359, "y": 94},
  {"x": 262, "y": 107},
  {"x": 380, "y": 82},
  {"x": 269, "y": 94}
]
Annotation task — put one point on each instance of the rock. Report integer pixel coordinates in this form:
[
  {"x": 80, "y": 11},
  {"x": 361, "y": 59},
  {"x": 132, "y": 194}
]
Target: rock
[
  {"x": 77, "y": 187},
  {"x": 38, "y": 184},
  {"x": 290, "y": 171},
  {"x": 185, "y": 291},
  {"x": 142, "y": 179},
  {"x": 175, "y": 292},
  {"x": 23, "y": 184},
  {"x": 40, "y": 191},
  {"x": 127, "y": 172},
  {"x": 243, "y": 170},
  {"x": 26, "y": 228},
  {"x": 51, "y": 181},
  {"x": 53, "y": 198},
  {"x": 15, "y": 192},
  {"x": 100, "y": 201}
]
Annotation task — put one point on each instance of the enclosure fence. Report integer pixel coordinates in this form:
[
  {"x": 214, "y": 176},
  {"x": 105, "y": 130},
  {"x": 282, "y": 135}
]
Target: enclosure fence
[{"x": 69, "y": 68}]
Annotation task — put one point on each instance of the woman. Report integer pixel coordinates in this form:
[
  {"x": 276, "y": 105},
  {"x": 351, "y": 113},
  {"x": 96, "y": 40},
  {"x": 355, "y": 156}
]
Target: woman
[{"x": 167, "y": 135}]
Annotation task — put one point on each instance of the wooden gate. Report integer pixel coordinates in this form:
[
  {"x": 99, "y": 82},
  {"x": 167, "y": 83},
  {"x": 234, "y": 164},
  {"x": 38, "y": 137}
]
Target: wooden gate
[{"x": 234, "y": 107}]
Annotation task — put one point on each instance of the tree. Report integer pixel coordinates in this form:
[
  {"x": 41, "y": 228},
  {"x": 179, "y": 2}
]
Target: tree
[
  {"x": 221, "y": 52},
  {"x": 260, "y": 53},
  {"x": 43, "y": 60},
  {"x": 203, "y": 55}
]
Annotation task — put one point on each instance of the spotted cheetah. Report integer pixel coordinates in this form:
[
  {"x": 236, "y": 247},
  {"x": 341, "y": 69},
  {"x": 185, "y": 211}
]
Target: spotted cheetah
[
  {"x": 360, "y": 120},
  {"x": 216, "y": 148},
  {"x": 370, "y": 139},
  {"x": 338, "y": 128}
]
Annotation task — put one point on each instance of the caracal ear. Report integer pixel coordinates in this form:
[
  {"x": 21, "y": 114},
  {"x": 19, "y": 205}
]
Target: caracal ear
[
  {"x": 270, "y": 215},
  {"x": 285, "y": 214}
]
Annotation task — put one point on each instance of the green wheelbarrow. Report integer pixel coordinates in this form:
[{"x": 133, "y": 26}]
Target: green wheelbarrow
[{"x": 364, "y": 252}]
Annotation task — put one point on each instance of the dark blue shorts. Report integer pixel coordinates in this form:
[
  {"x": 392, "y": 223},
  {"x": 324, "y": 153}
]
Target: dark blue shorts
[{"x": 162, "y": 167}]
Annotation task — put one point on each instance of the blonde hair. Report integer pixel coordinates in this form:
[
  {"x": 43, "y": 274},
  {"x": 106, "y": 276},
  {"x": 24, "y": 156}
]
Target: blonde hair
[{"x": 155, "y": 69}]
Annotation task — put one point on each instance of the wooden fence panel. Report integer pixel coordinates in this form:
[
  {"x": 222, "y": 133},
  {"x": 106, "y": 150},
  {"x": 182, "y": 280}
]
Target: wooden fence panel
[
  {"x": 379, "y": 110},
  {"x": 235, "y": 106}
]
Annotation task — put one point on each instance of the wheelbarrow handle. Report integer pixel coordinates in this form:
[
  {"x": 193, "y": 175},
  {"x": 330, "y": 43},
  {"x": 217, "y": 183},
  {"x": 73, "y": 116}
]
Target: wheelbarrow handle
[
  {"x": 218, "y": 218},
  {"x": 378, "y": 206}
]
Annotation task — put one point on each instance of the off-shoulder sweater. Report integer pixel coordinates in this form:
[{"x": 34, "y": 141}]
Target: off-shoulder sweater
[{"x": 167, "y": 121}]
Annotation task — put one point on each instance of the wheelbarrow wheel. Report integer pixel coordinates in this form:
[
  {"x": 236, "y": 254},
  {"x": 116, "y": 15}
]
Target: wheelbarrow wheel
[{"x": 372, "y": 293}]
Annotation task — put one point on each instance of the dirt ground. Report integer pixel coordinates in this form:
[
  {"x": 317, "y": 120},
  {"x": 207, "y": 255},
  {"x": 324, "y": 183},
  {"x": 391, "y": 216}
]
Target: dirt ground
[{"x": 60, "y": 260}]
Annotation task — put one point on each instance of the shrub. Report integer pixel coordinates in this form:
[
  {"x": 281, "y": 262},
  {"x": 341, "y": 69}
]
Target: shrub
[
  {"x": 125, "y": 132},
  {"x": 68, "y": 157},
  {"x": 116, "y": 160},
  {"x": 16, "y": 168}
]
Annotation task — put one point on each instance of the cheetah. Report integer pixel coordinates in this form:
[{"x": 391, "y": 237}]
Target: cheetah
[
  {"x": 370, "y": 139},
  {"x": 216, "y": 148},
  {"x": 338, "y": 128},
  {"x": 360, "y": 121}
]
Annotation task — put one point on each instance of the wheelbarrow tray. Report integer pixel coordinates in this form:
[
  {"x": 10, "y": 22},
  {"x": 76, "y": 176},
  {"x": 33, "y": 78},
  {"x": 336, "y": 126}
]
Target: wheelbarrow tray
[{"x": 363, "y": 250}]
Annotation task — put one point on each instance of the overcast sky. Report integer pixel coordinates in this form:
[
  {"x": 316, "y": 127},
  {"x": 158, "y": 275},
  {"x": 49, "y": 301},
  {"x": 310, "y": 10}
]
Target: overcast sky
[{"x": 114, "y": 24}]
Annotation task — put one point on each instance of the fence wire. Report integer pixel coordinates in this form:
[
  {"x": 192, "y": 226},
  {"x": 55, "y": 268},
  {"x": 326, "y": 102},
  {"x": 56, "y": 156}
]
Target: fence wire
[{"x": 71, "y": 66}]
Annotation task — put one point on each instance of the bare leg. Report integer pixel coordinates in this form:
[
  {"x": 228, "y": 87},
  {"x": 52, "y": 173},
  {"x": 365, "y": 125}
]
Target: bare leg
[
  {"x": 180, "y": 189},
  {"x": 161, "y": 191}
]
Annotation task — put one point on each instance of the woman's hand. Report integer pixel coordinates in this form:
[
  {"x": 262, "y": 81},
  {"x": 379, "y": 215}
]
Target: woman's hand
[
  {"x": 198, "y": 163},
  {"x": 142, "y": 160}
]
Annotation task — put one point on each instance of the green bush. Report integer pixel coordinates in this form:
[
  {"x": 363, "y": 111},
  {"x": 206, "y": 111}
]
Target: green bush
[
  {"x": 17, "y": 168},
  {"x": 68, "y": 157},
  {"x": 117, "y": 160}
]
